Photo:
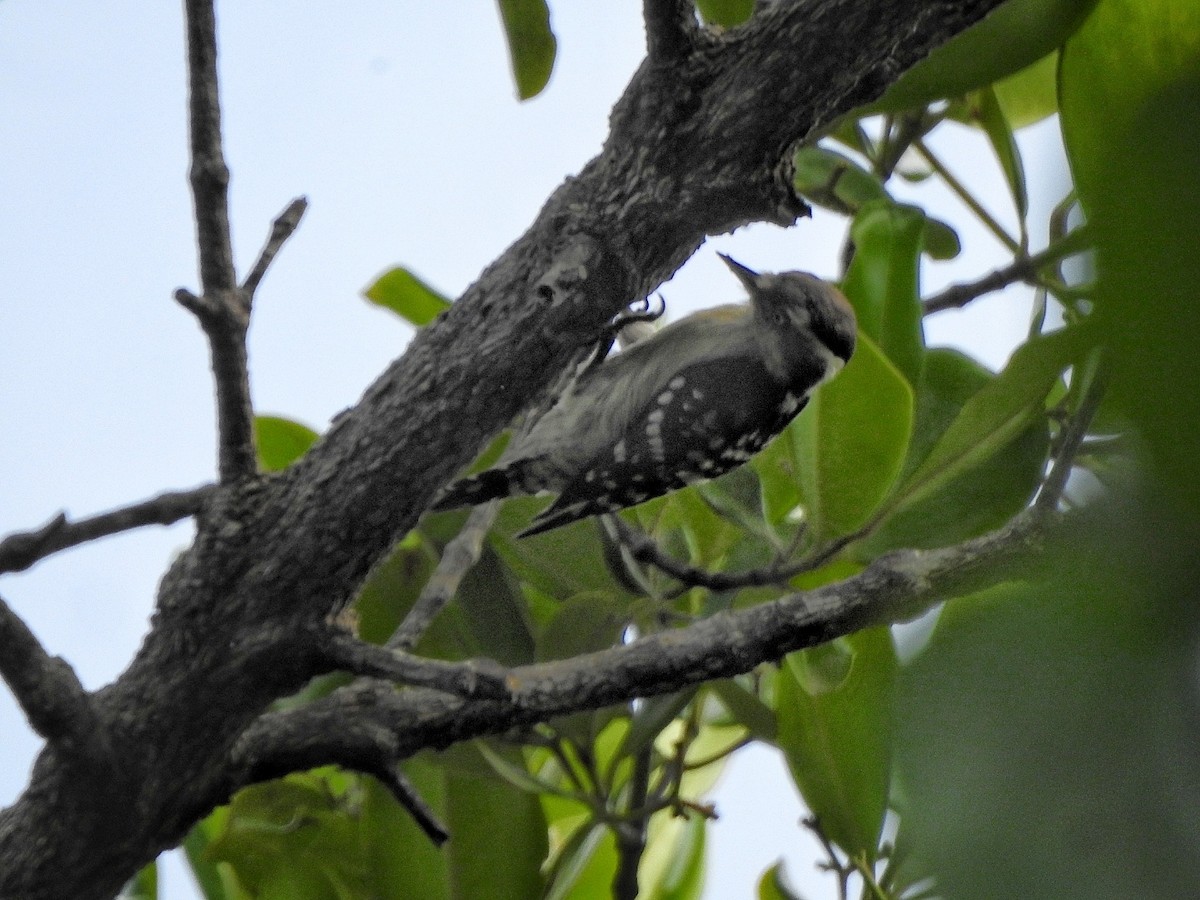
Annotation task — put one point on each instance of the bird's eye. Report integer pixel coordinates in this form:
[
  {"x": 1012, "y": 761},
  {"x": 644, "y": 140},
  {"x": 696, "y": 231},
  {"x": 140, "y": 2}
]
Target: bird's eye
[{"x": 780, "y": 317}]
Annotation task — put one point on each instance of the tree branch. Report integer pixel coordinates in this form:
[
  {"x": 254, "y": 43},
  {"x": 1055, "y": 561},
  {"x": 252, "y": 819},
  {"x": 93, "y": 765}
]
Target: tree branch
[
  {"x": 46, "y": 687},
  {"x": 899, "y": 586},
  {"x": 474, "y": 678},
  {"x": 671, "y": 29},
  {"x": 643, "y": 549},
  {"x": 223, "y": 309},
  {"x": 21, "y": 550},
  {"x": 457, "y": 559},
  {"x": 282, "y": 228},
  {"x": 698, "y": 153}
]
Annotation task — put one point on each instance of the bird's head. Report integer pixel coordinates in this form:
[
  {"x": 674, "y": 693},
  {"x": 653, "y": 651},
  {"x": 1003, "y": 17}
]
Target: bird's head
[{"x": 798, "y": 306}]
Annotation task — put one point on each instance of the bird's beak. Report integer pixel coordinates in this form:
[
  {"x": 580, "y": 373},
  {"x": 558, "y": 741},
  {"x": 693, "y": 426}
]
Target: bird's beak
[{"x": 746, "y": 276}]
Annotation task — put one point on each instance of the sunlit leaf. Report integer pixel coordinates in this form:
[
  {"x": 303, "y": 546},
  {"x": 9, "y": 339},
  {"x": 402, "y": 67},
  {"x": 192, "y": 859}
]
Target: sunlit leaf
[
  {"x": 407, "y": 296},
  {"x": 774, "y": 886},
  {"x": 281, "y": 441},
  {"x": 726, "y": 13},
  {"x": 531, "y": 44},
  {"x": 1030, "y": 95}
]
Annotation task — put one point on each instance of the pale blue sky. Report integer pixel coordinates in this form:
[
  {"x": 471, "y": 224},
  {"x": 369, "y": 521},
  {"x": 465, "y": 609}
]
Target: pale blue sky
[{"x": 399, "y": 122}]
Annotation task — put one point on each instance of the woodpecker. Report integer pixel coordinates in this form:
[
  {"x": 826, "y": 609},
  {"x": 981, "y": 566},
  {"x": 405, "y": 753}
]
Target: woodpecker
[{"x": 691, "y": 402}]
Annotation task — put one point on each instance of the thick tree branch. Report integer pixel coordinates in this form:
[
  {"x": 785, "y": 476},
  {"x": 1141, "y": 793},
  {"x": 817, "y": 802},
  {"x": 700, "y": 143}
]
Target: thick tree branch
[
  {"x": 896, "y": 587},
  {"x": 46, "y": 687},
  {"x": 21, "y": 550},
  {"x": 700, "y": 152}
]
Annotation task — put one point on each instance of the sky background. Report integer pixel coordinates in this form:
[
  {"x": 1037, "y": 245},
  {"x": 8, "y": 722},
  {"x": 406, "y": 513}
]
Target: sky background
[{"x": 399, "y": 122}]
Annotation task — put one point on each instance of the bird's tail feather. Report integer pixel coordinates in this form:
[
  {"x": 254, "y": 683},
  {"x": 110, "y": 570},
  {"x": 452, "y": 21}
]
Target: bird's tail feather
[{"x": 476, "y": 489}]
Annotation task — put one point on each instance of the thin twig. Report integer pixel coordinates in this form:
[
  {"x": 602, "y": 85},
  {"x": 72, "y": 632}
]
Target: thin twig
[
  {"x": 482, "y": 679},
  {"x": 966, "y": 197},
  {"x": 21, "y": 550},
  {"x": 1023, "y": 268},
  {"x": 644, "y": 549},
  {"x": 461, "y": 553},
  {"x": 46, "y": 687},
  {"x": 406, "y": 795},
  {"x": 1070, "y": 441},
  {"x": 222, "y": 308},
  {"x": 282, "y": 228}
]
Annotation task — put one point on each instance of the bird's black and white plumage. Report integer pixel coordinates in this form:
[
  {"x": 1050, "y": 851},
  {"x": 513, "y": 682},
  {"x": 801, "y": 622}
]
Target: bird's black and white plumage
[{"x": 693, "y": 401}]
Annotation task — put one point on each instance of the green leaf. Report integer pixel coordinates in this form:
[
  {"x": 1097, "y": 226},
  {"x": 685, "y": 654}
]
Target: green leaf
[
  {"x": 1041, "y": 707},
  {"x": 403, "y": 863},
  {"x": 851, "y": 440},
  {"x": 726, "y": 13},
  {"x": 296, "y": 837},
  {"x": 407, "y": 296},
  {"x": 215, "y": 880},
  {"x": 996, "y": 415},
  {"x": 487, "y": 859},
  {"x": 489, "y": 610},
  {"x": 511, "y": 768},
  {"x": 587, "y": 622},
  {"x": 774, "y": 886},
  {"x": 746, "y": 708},
  {"x": 281, "y": 441},
  {"x": 1131, "y": 140},
  {"x": 1126, "y": 53},
  {"x": 833, "y": 180},
  {"x": 981, "y": 497},
  {"x": 999, "y": 132},
  {"x": 584, "y": 868},
  {"x": 940, "y": 240},
  {"x": 654, "y": 714},
  {"x": 531, "y": 44},
  {"x": 834, "y": 705},
  {"x": 673, "y": 866},
  {"x": 143, "y": 885},
  {"x": 882, "y": 281},
  {"x": 1030, "y": 95},
  {"x": 392, "y": 587},
  {"x": 1014, "y": 36}
]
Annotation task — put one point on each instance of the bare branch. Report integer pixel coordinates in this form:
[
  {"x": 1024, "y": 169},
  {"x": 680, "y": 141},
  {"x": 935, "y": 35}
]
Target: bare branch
[
  {"x": 474, "y": 678},
  {"x": 223, "y": 309},
  {"x": 282, "y": 228},
  {"x": 671, "y": 29},
  {"x": 1070, "y": 440},
  {"x": 643, "y": 548},
  {"x": 406, "y": 795},
  {"x": 896, "y": 587},
  {"x": 209, "y": 174},
  {"x": 959, "y": 295},
  {"x": 46, "y": 687},
  {"x": 457, "y": 559},
  {"x": 1023, "y": 268},
  {"x": 21, "y": 550}
]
